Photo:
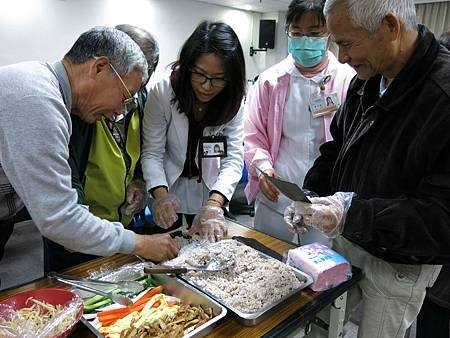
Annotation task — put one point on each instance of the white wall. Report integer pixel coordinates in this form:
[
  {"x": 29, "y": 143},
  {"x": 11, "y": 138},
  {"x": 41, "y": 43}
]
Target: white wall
[{"x": 46, "y": 29}]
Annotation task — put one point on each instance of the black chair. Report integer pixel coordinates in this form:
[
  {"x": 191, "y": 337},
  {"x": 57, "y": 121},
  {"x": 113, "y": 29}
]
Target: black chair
[{"x": 238, "y": 203}]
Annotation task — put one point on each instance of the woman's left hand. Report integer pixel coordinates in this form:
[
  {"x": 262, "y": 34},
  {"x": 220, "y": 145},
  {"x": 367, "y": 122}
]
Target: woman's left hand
[{"x": 210, "y": 223}]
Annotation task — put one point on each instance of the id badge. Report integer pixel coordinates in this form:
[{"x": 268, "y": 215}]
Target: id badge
[
  {"x": 214, "y": 146},
  {"x": 324, "y": 104}
]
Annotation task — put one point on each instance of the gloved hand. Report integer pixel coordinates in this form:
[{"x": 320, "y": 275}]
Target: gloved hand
[
  {"x": 136, "y": 197},
  {"x": 296, "y": 225},
  {"x": 326, "y": 214},
  {"x": 267, "y": 188},
  {"x": 165, "y": 209},
  {"x": 210, "y": 223}
]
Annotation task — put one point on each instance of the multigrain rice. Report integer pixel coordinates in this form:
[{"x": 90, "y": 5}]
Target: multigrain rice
[{"x": 253, "y": 282}]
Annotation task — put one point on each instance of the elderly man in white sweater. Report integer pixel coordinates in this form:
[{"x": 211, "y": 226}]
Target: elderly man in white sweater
[{"x": 96, "y": 78}]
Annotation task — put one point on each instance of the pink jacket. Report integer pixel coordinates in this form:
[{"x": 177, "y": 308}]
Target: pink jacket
[{"x": 264, "y": 113}]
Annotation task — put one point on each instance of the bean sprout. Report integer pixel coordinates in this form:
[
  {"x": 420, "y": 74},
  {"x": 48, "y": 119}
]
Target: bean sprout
[{"x": 36, "y": 319}]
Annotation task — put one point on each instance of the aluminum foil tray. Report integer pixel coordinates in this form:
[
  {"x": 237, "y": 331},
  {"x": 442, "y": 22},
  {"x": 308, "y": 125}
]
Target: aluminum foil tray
[{"x": 188, "y": 295}]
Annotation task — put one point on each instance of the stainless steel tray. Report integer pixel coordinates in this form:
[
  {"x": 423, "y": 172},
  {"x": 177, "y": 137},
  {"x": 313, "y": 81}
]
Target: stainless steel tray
[
  {"x": 190, "y": 295},
  {"x": 251, "y": 319}
]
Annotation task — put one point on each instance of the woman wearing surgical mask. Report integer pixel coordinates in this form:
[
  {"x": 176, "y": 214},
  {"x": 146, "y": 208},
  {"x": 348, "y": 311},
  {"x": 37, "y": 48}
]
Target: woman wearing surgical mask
[{"x": 287, "y": 116}]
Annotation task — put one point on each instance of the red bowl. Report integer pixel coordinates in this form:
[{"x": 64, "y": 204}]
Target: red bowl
[{"x": 48, "y": 295}]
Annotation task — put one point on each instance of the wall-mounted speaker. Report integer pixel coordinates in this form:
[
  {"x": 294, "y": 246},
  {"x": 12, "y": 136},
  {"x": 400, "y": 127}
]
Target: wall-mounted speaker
[{"x": 267, "y": 34}]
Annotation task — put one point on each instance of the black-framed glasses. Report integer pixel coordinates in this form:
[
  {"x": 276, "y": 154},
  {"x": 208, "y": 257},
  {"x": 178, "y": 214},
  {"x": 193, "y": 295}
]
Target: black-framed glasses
[
  {"x": 217, "y": 82},
  {"x": 297, "y": 34},
  {"x": 130, "y": 101}
]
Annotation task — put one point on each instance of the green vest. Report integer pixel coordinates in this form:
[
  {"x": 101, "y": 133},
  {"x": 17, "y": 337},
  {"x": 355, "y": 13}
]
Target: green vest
[{"x": 106, "y": 176}]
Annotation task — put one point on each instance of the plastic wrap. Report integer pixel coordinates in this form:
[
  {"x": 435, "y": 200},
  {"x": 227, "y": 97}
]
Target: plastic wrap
[
  {"x": 197, "y": 252},
  {"x": 327, "y": 267},
  {"x": 18, "y": 323}
]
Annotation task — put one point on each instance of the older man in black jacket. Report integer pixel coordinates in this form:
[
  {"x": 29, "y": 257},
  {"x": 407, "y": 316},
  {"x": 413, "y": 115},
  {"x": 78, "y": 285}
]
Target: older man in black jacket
[{"x": 386, "y": 174}]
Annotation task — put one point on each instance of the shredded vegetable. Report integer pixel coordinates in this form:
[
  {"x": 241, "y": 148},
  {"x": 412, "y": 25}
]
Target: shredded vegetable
[
  {"x": 36, "y": 320},
  {"x": 158, "y": 318}
]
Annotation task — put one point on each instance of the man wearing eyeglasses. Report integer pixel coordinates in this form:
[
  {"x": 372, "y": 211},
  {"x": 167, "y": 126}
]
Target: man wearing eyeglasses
[
  {"x": 105, "y": 156},
  {"x": 96, "y": 78}
]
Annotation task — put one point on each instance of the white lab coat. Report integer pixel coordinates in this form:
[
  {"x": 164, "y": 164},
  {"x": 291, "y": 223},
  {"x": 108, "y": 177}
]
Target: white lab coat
[{"x": 165, "y": 138}]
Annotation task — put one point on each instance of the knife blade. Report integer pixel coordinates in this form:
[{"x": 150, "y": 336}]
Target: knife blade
[{"x": 289, "y": 189}]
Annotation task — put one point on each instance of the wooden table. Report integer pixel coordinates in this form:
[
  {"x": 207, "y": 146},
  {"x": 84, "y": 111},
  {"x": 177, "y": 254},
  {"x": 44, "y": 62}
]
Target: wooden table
[{"x": 297, "y": 312}]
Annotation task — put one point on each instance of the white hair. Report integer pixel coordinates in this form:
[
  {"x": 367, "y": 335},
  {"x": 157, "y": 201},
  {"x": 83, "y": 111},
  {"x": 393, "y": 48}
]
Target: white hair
[
  {"x": 124, "y": 54},
  {"x": 369, "y": 14}
]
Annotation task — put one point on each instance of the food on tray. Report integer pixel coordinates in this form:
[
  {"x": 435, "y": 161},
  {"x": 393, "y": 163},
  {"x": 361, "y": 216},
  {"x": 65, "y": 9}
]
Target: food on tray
[
  {"x": 326, "y": 266},
  {"x": 96, "y": 302},
  {"x": 109, "y": 317},
  {"x": 158, "y": 317},
  {"x": 253, "y": 282},
  {"x": 153, "y": 314}
]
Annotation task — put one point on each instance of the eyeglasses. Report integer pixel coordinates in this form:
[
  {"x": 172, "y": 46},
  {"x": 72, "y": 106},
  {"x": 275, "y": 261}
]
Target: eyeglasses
[
  {"x": 217, "y": 82},
  {"x": 130, "y": 102},
  {"x": 296, "y": 34}
]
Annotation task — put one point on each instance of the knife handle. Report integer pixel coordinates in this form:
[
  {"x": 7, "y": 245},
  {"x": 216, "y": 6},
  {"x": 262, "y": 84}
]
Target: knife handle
[{"x": 164, "y": 269}]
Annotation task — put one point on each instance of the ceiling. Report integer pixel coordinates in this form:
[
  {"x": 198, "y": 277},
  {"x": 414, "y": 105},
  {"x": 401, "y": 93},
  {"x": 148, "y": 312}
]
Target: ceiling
[
  {"x": 267, "y": 6},
  {"x": 263, "y": 6}
]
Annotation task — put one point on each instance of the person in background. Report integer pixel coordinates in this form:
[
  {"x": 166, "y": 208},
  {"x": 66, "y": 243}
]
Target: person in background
[
  {"x": 6, "y": 229},
  {"x": 97, "y": 78},
  {"x": 444, "y": 39},
  {"x": 104, "y": 159},
  {"x": 384, "y": 179},
  {"x": 434, "y": 316},
  {"x": 192, "y": 108},
  {"x": 283, "y": 130}
]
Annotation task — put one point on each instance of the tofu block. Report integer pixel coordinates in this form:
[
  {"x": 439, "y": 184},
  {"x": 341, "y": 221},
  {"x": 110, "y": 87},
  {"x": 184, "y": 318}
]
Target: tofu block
[{"x": 325, "y": 266}]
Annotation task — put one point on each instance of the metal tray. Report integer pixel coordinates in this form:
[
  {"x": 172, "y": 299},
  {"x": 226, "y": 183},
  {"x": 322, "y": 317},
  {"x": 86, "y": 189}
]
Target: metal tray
[
  {"x": 188, "y": 295},
  {"x": 254, "y": 318}
]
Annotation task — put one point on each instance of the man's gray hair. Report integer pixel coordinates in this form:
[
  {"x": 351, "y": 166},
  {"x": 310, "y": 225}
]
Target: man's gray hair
[
  {"x": 123, "y": 53},
  {"x": 369, "y": 14}
]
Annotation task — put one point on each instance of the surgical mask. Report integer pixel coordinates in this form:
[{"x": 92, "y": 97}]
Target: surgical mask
[{"x": 307, "y": 51}]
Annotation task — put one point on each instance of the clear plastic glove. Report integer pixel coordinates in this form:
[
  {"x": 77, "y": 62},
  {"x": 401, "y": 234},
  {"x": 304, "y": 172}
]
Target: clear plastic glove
[
  {"x": 136, "y": 197},
  {"x": 297, "y": 226},
  {"x": 326, "y": 214},
  {"x": 210, "y": 223},
  {"x": 293, "y": 220},
  {"x": 165, "y": 209}
]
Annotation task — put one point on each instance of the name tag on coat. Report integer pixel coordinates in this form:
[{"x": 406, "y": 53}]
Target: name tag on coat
[
  {"x": 213, "y": 146},
  {"x": 324, "y": 104}
]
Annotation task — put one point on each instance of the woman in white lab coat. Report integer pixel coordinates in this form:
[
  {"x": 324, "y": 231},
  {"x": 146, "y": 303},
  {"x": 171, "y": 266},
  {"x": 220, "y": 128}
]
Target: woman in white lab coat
[
  {"x": 288, "y": 118},
  {"x": 193, "y": 108}
]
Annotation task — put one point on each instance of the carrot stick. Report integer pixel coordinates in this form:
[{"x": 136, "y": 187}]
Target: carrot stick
[
  {"x": 139, "y": 307},
  {"x": 148, "y": 295},
  {"x": 109, "y": 323},
  {"x": 172, "y": 303},
  {"x": 113, "y": 312},
  {"x": 110, "y": 316},
  {"x": 144, "y": 299}
]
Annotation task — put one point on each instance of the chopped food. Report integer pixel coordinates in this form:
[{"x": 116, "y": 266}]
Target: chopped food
[{"x": 158, "y": 318}]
